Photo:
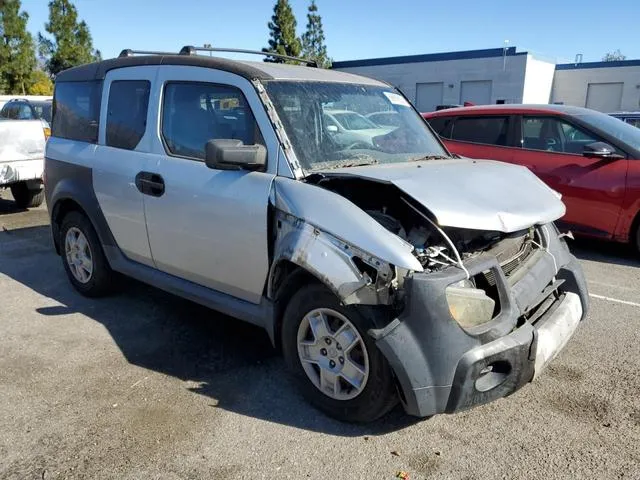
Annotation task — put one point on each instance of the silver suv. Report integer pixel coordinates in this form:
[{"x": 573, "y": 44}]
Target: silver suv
[{"x": 385, "y": 270}]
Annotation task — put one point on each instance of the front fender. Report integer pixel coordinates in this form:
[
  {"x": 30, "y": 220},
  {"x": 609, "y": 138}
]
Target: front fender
[
  {"x": 350, "y": 273},
  {"x": 337, "y": 216}
]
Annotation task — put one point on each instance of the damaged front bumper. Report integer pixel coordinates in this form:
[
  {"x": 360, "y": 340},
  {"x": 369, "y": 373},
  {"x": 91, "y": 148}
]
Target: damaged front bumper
[{"x": 443, "y": 368}]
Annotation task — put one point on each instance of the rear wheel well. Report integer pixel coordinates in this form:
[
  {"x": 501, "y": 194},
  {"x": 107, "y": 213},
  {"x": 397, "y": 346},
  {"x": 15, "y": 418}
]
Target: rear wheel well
[{"x": 60, "y": 210}]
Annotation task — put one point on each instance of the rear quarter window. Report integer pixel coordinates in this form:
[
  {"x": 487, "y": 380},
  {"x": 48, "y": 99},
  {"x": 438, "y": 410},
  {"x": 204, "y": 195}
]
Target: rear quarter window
[{"x": 76, "y": 110}]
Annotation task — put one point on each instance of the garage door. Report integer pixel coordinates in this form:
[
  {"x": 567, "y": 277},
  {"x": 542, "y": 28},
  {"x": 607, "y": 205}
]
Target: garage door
[
  {"x": 477, "y": 92},
  {"x": 604, "y": 97},
  {"x": 428, "y": 95}
]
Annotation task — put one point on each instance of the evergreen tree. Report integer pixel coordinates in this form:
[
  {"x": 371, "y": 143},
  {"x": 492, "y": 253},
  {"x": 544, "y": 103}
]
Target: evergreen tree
[
  {"x": 17, "y": 50},
  {"x": 71, "y": 42},
  {"x": 313, "y": 46},
  {"x": 282, "y": 32}
]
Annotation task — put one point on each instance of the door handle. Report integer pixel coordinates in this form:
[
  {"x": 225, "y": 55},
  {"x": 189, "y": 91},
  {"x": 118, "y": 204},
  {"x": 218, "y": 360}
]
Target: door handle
[{"x": 150, "y": 183}]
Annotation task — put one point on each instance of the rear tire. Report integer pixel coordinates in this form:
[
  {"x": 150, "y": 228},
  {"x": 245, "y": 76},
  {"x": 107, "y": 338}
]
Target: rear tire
[
  {"x": 376, "y": 393},
  {"x": 25, "y": 197},
  {"x": 83, "y": 257}
]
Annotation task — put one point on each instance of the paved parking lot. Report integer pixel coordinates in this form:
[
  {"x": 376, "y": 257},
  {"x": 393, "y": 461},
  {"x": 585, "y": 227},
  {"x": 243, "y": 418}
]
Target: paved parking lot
[{"x": 146, "y": 385}]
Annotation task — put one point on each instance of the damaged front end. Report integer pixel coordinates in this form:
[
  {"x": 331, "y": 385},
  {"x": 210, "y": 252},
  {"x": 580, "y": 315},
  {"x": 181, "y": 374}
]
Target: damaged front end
[{"x": 477, "y": 313}]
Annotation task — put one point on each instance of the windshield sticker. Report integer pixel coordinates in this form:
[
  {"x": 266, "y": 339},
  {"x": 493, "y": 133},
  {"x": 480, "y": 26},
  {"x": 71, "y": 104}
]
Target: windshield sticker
[{"x": 396, "y": 99}]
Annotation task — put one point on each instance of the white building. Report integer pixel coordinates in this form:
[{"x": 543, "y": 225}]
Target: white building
[
  {"x": 603, "y": 86},
  {"x": 503, "y": 75}
]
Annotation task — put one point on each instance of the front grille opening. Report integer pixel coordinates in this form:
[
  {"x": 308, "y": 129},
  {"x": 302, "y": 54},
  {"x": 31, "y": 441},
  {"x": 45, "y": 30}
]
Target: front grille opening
[{"x": 512, "y": 253}]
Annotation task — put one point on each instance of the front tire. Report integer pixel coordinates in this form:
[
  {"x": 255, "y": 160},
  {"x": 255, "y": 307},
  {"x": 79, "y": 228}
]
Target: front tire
[
  {"x": 25, "y": 197},
  {"x": 83, "y": 258},
  {"x": 336, "y": 363}
]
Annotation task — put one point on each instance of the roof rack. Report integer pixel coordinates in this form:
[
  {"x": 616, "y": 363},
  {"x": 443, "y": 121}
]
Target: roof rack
[
  {"x": 191, "y": 50},
  {"x": 130, "y": 53}
]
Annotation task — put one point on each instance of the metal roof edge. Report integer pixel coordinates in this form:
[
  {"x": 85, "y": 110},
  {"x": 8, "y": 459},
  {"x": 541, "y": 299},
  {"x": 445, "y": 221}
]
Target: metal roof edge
[
  {"x": 430, "y": 57},
  {"x": 616, "y": 63}
]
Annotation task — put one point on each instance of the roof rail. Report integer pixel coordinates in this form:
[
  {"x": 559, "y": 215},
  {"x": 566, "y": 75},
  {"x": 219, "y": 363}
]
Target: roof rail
[
  {"x": 191, "y": 50},
  {"x": 130, "y": 53},
  {"x": 17, "y": 99}
]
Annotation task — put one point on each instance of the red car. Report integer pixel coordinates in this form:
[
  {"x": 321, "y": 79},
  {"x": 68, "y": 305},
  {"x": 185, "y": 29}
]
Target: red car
[{"x": 592, "y": 159}]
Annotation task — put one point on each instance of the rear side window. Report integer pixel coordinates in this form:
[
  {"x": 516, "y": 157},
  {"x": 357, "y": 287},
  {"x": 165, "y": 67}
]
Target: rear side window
[
  {"x": 441, "y": 125},
  {"x": 127, "y": 113},
  {"x": 76, "y": 110},
  {"x": 491, "y": 130},
  {"x": 194, "y": 113}
]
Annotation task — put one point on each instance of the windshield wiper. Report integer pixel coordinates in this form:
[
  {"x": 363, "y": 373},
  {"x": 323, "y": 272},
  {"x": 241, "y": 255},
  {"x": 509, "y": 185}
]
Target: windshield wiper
[{"x": 429, "y": 157}]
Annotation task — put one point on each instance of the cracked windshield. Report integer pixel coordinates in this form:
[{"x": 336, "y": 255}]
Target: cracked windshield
[{"x": 334, "y": 125}]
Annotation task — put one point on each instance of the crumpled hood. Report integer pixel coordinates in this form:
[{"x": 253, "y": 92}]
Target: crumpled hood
[{"x": 466, "y": 193}]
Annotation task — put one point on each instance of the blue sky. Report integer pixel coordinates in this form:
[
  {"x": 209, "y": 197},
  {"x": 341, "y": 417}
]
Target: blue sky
[{"x": 357, "y": 29}]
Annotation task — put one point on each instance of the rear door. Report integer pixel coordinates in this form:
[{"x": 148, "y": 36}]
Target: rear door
[
  {"x": 592, "y": 189},
  {"x": 124, "y": 150},
  {"x": 482, "y": 136}
]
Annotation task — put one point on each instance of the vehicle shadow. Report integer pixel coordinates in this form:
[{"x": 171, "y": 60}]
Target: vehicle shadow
[
  {"x": 604, "y": 252},
  {"x": 227, "y": 360},
  {"x": 9, "y": 206}
]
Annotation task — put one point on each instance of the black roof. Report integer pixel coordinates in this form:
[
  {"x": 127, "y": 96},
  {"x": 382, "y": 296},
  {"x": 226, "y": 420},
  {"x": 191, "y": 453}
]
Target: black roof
[{"x": 98, "y": 70}]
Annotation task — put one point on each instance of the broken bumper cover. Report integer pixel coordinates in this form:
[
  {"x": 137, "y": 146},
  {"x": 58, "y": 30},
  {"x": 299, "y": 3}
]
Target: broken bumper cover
[
  {"x": 442, "y": 368},
  {"x": 20, "y": 170}
]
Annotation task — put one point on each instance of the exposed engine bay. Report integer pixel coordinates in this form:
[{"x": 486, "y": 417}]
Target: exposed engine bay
[{"x": 435, "y": 247}]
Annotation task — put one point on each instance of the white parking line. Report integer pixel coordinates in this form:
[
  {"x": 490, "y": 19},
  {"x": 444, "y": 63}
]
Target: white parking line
[
  {"x": 615, "y": 300},
  {"x": 611, "y": 285}
]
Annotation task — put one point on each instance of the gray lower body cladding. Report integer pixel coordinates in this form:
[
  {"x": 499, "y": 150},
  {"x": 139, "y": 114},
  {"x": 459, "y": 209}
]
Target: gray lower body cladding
[
  {"x": 69, "y": 181},
  {"x": 439, "y": 365}
]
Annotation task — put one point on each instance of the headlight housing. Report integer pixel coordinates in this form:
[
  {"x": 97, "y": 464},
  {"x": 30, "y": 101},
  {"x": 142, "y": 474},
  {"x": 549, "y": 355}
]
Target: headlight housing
[{"x": 469, "y": 306}]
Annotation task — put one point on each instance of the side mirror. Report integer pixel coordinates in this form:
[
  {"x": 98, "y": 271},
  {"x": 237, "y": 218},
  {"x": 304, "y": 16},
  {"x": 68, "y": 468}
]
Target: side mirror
[
  {"x": 226, "y": 154},
  {"x": 600, "y": 150},
  {"x": 332, "y": 129}
]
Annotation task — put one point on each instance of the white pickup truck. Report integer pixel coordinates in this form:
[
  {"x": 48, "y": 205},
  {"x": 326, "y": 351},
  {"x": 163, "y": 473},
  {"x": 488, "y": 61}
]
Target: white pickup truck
[{"x": 22, "y": 145}]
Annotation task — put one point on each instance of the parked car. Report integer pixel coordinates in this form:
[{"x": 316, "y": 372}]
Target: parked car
[
  {"x": 351, "y": 127},
  {"x": 384, "y": 271},
  {"x": 23, "y": 109},
  {"x": 22, "y": 145},
  {"x": 632, "y": 118},
  {"x": 587, "y": 156}
]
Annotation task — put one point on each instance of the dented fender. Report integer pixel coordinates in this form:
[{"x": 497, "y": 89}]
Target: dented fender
[
  {"x": 331, "y": 260},
  {"x": 335, "y": 215}
]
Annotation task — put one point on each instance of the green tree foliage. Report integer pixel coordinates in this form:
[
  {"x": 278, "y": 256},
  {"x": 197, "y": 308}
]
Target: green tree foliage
[
  {"x": 40, "y": 83},
  {"x": 70, "y": 43},
  {"x": 313, "y": 46},
  {"x": 282, "y": 33},
  {"x": 17, "y": 50},
  {"x": 614, "y": 56}
]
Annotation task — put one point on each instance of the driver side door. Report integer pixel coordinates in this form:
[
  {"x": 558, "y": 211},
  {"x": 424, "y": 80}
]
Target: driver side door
[
  {"x": 206, "y": 225},
  {"x": 592, "y": 189}
]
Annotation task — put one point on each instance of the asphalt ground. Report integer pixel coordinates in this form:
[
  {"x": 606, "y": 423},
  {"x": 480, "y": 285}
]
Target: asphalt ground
[{"x": 144, "y": 385}]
